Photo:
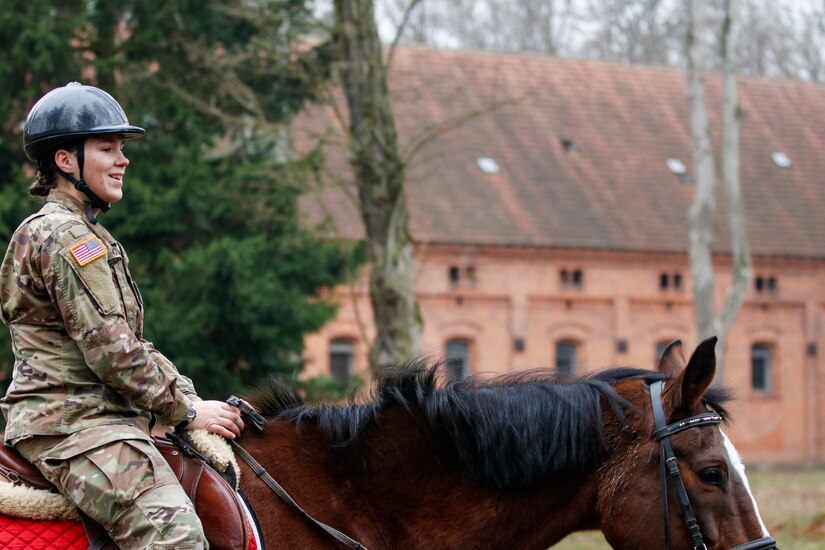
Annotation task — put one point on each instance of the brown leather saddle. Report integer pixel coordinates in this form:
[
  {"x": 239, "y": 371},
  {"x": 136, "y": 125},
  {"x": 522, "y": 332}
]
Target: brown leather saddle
[{"x": 217, "y": 504}]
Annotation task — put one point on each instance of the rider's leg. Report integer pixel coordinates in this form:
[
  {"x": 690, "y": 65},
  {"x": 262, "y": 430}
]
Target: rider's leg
[{"x": 127, "y": 487}]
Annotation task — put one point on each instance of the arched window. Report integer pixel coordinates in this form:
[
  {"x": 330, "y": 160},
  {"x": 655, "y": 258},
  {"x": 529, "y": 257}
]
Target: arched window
[
  {"x": 341, "y": 358},
  {"x": 458, "y": 358},
  {"x": 566, "y": 356},
  {"x": 761, "y": 368}
]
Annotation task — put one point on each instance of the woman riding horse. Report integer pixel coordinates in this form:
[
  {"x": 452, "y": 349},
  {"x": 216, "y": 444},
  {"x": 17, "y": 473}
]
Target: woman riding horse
[{"x": 86, "y": 385}]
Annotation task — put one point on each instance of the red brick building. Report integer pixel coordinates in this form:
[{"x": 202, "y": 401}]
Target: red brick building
[{"x": 549, "y": 210}]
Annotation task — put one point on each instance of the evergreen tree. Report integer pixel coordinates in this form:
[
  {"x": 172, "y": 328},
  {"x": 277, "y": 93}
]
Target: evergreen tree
[{"x": 229, "y": 273}]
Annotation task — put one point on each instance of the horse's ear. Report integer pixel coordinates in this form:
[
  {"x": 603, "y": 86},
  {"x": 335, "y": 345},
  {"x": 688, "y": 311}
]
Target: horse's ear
[
  {"x": 672, "y": 361},
  {"x": 695, "y": 379}
]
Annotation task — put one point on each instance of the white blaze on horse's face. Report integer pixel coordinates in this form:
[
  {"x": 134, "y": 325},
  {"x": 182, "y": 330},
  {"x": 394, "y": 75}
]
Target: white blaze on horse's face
[{"x": 739, "y": 467}]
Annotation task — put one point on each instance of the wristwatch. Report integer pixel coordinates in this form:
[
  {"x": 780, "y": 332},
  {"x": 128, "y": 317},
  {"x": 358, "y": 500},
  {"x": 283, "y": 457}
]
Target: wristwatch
[{"x": 190, "y": 416}]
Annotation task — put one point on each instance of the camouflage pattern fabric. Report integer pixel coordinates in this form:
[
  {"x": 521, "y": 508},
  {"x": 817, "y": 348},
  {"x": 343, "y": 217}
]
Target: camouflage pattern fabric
[
  {"x": 122, "y": 482},
  {"x": 86, "y": 384},
  {"x": 76, "y": 331}
]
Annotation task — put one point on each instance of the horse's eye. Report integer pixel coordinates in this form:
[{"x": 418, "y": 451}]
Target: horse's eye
[{"x": 712, "y": 476}]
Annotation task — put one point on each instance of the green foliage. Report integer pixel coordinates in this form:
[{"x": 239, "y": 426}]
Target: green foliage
[{"x": 230, "y": 275}]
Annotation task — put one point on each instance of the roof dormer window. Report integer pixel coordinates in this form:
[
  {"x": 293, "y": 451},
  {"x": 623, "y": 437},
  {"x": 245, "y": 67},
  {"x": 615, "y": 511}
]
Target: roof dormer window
[
  {"x": 488, "y": 165},
  {"x": 781, "y": 159}
]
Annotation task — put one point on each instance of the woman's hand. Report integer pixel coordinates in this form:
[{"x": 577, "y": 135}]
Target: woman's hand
[{"x": 217, "y": 417}]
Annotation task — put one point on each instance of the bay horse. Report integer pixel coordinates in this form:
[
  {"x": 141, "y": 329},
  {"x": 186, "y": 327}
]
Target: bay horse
[{"x": 519, "y": 461}]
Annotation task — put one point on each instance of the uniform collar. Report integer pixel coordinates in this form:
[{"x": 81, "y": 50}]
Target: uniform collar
[{"x": 65, "y": 199}]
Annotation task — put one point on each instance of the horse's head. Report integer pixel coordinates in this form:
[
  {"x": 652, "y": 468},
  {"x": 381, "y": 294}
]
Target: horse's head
[{"x": 712, "y": 475}]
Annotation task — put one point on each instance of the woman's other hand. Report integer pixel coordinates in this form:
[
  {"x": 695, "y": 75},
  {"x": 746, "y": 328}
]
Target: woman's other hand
[{"x": 217, "y": 417}]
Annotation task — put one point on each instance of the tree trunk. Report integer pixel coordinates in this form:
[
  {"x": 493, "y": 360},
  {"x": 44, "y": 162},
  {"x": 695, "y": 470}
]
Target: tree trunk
[
  {"x": 701, "y": 213},
  {"x": 379, "y": 177},
  {"x": 731, "y": 115},
  {"x": 704, "y": 202}
]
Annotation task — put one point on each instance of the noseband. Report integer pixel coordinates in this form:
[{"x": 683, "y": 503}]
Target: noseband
[{"x": 669, "y": 466}]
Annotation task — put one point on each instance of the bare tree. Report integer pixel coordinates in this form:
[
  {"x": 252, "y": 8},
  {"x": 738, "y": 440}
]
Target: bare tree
[
  {"x": 809, "y": 44},
  {"x": 702, "y": 210},
  {"x": 539, "y": 25},
  {"x": 379, "y": 178},
  {"x": 528, "y": 25},
  {"x": 639, "y": 31},
  {"x": 417, "y": 25},
  {"x": 784, "y": 38}
]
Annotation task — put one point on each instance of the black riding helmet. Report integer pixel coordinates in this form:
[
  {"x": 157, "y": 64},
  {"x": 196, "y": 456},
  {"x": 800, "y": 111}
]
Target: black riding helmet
[{"x": 71, "y": 114}]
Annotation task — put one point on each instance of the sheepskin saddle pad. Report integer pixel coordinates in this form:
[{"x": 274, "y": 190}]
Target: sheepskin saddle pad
[{"x": 26, "y": 494}]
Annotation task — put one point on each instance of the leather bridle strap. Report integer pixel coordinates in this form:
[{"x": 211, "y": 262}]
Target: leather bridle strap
[
  {"x": 765, "y": 543},
  {"x": 281, "y": 492},
  {"x": 669, "y": 465}
]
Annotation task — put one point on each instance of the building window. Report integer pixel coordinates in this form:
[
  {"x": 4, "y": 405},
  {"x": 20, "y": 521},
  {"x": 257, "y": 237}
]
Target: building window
[
  {"x": 670, "y": 280},
  {"x": 454, "y": 275},
  {"x": 761, "y": 368},
  {"x": 571, "y": 278},
  {"x": 578, "y": 278},
  {"x": 470, "y": 276},
  {"x": 766, "y": 284},
  {"x": 566, "y": 356},
  {"x": 341, "y": 359},
  {"x": 458, "y": 358},
  {"x": 465, "y": 277}
]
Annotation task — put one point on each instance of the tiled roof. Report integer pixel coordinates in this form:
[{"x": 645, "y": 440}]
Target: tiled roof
[{"x": 610, "y": 188}]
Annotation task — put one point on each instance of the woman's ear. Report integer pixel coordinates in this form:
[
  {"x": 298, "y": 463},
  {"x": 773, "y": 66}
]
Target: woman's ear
[{"x": 65, "y": 160}]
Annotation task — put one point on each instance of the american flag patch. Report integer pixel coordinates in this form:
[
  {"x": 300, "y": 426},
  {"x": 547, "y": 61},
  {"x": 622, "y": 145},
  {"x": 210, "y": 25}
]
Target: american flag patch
[{"x": 88, "y": 250}]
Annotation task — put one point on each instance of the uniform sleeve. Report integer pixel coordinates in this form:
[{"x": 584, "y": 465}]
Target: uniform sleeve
[
  {"x": 89, "y": 303},
  {"x": 184, "y": 383}
]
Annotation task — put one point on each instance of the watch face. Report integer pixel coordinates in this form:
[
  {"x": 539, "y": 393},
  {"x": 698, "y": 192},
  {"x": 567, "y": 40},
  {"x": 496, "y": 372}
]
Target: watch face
[{"x": 190, "y": 416}]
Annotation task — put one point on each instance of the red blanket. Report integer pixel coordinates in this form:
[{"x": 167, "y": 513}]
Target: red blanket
[{"x": 26, "y": 534}]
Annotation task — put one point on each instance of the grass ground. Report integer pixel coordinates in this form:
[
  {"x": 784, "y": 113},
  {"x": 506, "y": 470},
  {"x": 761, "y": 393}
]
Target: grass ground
[{"x": 791, "y": 502}]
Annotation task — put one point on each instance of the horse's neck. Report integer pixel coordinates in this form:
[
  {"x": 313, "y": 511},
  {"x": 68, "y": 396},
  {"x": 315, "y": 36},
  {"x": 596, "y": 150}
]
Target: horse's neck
[
  {"x": 406, "y": 497},
  {"x": 469, "y": 515}
]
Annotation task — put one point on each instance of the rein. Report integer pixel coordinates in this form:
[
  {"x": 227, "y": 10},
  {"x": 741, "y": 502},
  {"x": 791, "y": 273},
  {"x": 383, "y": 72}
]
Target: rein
[
  {"x": 670, "y": 467},
  {"x": 260, "y": 471}
]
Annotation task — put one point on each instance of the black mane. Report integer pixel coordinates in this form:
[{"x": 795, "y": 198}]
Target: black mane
[{"x": 511, "y": 430}]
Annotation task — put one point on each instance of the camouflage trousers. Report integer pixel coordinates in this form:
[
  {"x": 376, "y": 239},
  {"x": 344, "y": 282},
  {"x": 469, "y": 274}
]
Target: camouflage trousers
[{"x": 124, "y": 485}]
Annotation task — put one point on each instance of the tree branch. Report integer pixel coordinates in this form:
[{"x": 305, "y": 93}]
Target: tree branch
[
  {"x": 400, "y": 30},
  {"x": 435, "y": 131}
]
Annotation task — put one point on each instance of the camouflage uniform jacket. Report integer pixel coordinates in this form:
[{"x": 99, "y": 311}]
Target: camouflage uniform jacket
[{"x": 76, "y": 323}]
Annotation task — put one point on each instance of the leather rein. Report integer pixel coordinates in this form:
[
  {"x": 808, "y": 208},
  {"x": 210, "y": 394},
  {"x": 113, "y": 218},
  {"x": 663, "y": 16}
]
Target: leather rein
[
  {"x": 260, "y": 422},
  {"x": 670, "y": 467}
]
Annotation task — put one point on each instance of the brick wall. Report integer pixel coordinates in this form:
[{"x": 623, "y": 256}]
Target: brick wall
[{"x": 514, "y": 305}]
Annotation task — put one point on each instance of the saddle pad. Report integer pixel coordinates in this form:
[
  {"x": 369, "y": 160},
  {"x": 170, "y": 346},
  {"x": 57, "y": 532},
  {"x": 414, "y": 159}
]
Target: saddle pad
[{"x": 27, "y": 534}]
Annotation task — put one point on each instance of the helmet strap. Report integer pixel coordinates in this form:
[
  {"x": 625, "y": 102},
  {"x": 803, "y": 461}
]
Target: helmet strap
[{"x": 83, "y": 187}]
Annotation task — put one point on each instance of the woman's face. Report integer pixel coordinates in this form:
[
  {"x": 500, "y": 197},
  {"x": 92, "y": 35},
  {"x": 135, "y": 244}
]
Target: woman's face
[{"x": 104, "y": 166}]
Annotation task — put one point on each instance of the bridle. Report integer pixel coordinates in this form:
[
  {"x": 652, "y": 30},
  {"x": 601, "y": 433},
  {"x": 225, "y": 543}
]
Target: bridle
[
  {"x": 260, "y": 422},
  {"x": 670, "y": 467}
]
